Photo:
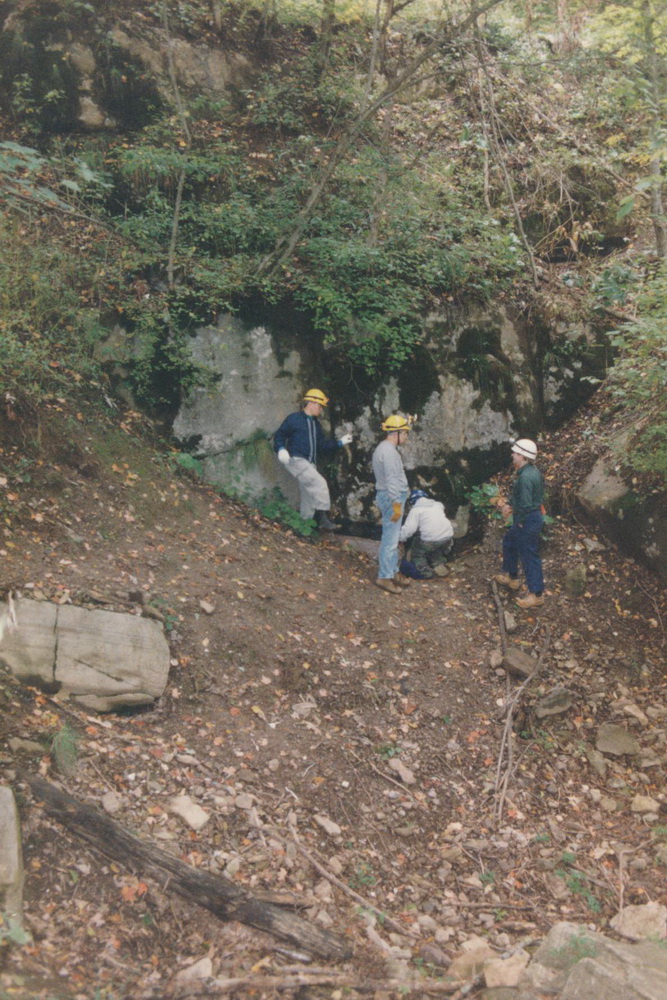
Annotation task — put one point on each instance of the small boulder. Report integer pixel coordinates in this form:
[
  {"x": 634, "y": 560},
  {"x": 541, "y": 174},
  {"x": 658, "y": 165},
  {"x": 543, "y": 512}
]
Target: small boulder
[
  {"x": 470, "y": 961},
  {"x": 203, "y": 969},
  {"x": 328, "y": 825},
  {"x": 648, "y": 920},
  {"x": 556, "y": 702},
  {"x": 506, "y": 971},
  {"x": 616, "y": 740},
  {"x": 644, "y": 804},
  {"x": 189, "y": 811},
  {"x": 404, "y": 773},
  {"x": 519, "y": 664}
]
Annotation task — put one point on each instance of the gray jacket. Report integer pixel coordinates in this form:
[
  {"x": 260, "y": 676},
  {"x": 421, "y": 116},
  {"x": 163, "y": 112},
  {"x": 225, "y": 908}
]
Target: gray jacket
[{"x": 388, "y": 470}]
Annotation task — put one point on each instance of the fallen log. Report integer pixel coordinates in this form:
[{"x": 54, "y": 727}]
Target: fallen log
[{"x": 215, "y": 893}]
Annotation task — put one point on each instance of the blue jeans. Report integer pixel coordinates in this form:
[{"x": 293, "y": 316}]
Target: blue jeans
[
  {"x": 522, "y": 542},
  {"x": 388, "y": 555}
]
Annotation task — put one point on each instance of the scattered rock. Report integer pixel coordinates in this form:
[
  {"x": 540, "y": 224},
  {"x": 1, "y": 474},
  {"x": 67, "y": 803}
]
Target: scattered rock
[
  {"x": 189, "y": 811},
  {"x": 25, "y": 746},
  {"x": 646, "y": 921},
  {"x": 574, "y": 963},
  {"x": 495, "y": 658},
  {"x": 616, "y": 740},
  {"x": 644, "y": 804},
  {"x": 111, "y": 803},
  {"x": 597, "y": 762},
  {"x": 206, "y": 607},
  {"x": 433, "y": 955},
  {"x": 404, "y": 773},
  {"x": 470, "y": 961},
  {"x": 506, "y": 971},
  {"x": 557, "y": 701},
  {"x": 592, "y": 545},
  {"x": 635, "y": 712},
  {"x": 245, "y": 801},
  {"x": 328, "y": 825},
  {"x": 519, "y": 664},
  {"x": 574, "y": 583},
  {"x": 203, "y": 969},
  {"x": 510, "y": 622}
]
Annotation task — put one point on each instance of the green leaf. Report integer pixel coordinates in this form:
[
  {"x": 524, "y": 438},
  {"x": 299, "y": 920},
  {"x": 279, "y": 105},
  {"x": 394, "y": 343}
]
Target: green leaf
[{"x": 626, "y": 206}]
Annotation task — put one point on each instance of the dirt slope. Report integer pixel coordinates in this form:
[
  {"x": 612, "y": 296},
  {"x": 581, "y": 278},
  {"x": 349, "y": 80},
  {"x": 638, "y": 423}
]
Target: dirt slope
[{"x": 298, "y": 690}]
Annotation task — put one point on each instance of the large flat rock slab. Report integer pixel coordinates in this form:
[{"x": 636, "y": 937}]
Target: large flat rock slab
[{"x": 100, "y": 659}]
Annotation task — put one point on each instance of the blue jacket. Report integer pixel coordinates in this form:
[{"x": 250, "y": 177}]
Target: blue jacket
[{"x": 303, "y": 437}]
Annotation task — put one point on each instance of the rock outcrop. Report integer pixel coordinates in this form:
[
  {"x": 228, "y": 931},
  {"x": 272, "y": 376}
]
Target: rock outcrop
[{"x": 99, "y": 659}]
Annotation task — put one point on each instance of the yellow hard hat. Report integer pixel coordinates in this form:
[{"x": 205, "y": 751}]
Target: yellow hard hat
[
  {"x": 395, "y": 423},
  {"x": 316, "y": 396}
]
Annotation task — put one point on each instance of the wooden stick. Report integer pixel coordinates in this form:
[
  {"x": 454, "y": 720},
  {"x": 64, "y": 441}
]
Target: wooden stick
[
  {"x": 501, "y": 616},
  {"x": 330, "y": 877},
  {"x": 216, "y": 987},
  {"x": 502, "y": 784}
]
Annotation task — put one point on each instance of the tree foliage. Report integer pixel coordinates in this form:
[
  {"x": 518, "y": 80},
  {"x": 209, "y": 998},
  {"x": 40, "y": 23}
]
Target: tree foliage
[{"x": 385, "y": 160}]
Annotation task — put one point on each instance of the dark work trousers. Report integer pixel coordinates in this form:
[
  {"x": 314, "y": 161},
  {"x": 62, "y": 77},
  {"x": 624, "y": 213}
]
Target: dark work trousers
[
  {"x": 522, "y": 542},
  {"x": 427, "y": 555}
]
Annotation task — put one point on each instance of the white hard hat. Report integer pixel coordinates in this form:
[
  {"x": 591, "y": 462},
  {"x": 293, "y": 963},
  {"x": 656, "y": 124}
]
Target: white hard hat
[{"x": 526, "y": 448}]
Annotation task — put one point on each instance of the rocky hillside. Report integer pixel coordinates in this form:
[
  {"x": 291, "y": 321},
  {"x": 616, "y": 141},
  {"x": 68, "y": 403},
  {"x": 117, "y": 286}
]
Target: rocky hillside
[{"x": 374, "y": 766}]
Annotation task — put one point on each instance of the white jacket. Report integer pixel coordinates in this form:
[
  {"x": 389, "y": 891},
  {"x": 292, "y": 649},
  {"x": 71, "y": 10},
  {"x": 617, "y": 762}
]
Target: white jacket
[{"x": 429, "y": 519}]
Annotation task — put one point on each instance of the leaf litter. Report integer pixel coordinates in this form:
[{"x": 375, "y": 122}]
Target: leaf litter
[{"x": 344, "y": 748}]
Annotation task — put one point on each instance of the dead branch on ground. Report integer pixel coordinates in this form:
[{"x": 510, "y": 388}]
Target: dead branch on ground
[
  {"x": 215, "y": 893},
  {"x": 505, "y": 754}
]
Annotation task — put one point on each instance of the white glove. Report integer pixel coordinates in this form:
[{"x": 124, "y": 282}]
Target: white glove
[
  {"x": 283, "y": 456},
  {"x": 346, "y": 439}
]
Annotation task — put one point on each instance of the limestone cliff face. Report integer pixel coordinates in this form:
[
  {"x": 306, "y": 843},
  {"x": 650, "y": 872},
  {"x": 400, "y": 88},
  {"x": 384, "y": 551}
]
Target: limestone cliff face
[
  {"x": 462, "y": 421},
  {"x": 104, "y": 66}
]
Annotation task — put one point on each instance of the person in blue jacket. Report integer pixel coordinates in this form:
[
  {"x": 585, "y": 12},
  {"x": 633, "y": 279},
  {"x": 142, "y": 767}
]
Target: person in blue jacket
[{"x": 298, "y": 442}]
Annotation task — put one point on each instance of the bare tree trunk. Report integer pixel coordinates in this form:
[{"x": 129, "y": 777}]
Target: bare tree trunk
[
  {"x": 171, "y": 256},
  {"x": 373, "y": 57},
  {"x": 658, "y": 208},
  {"x": 492, "y": 134},
  {"x": 324, "y": 42},
  {"x": 216, "y": 14},
  {"x": 188, "y": 142},
  {"x": 654, "y": 73}
]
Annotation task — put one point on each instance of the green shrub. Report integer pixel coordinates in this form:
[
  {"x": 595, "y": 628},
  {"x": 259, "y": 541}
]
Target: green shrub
[{"x": 638, "y": 380}]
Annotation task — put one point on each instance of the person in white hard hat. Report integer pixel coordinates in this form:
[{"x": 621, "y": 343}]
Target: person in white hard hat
[
  {"x": 298, "y": 442},
  {"x": 521, "y": 542}
]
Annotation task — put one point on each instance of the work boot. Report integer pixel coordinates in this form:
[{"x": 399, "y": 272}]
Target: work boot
[
  {"x": 532, "y": 601},
  {"x": 401, "y": 580},
  {"x": 505, "y": 580},
  {"x": 324, "y": 522},
  {"x": 388, "y": 585}
]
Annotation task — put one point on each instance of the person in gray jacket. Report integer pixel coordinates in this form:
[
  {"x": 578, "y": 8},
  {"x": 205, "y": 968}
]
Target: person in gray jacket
[
  {"x": 391, "y": 493},
  {"x": 431, "y": 534}
]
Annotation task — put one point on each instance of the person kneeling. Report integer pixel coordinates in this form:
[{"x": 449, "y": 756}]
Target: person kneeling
[{"x": 430, "y": 534}]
